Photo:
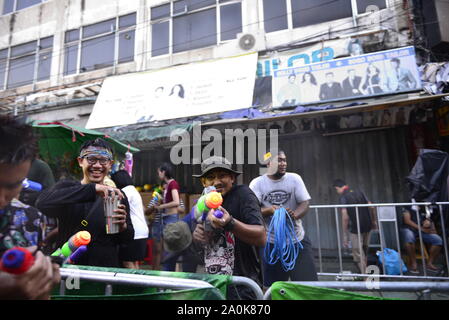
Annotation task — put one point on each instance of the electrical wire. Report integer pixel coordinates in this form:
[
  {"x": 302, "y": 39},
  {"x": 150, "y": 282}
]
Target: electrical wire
[
  {"x": 61, "y": 52},
  {"x": 144, "y": 25},
  {"x": 286, "y": 245}
]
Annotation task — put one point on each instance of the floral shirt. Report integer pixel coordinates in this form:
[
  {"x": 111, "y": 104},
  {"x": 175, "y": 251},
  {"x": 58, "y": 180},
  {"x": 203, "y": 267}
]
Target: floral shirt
[{"x": 20, "y": 225}]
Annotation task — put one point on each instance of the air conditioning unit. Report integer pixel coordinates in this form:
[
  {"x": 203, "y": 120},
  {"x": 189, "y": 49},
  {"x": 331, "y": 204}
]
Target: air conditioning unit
[
  {"x": 248, "y": 41},
  {"x": 244, "y": 43}
]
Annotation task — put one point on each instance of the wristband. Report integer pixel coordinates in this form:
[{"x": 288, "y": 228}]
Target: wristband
[{"x": 230, "y": 225}]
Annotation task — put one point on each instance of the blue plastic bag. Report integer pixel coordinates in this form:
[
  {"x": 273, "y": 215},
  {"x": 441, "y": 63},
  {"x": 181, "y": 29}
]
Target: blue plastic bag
[{"x": 393, "y": 261}]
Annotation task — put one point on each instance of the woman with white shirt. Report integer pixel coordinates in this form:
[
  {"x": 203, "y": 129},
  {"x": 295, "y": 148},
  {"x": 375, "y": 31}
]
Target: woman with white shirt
[{"x": 134, "y": 251}]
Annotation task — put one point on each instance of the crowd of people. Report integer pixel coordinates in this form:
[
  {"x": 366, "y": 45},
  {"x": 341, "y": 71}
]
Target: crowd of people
[{"x": 232, "y": 243}]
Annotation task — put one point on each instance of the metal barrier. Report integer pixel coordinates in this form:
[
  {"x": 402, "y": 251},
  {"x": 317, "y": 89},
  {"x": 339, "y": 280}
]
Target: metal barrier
[
  {"x": 140, "y": 280},
  {"x": 130, "y": 279},
  {"x": 424, "y": 288},
  {"x": 243, "y": 281},
  {"x": 385, "y": 217}
]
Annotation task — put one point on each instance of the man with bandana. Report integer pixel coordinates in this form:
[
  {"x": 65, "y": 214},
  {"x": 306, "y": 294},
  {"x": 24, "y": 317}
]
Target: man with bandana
[{"x": 79, "y": 206}]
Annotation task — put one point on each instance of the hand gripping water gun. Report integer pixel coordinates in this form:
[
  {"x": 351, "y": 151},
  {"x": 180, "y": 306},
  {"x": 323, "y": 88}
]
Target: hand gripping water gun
[
  {"x": 70, "y": 249},
  {"x": 211, "y": 199},
  {"x": 16, "y": 260},
  {"x": 31, "y": 185}
]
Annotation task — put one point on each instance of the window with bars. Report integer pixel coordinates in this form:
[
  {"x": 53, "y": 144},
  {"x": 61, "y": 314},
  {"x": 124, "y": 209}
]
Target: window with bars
[
  {"x": 26, "y": 63},
  {"x": 10, "y": 6},
  {"x": 185, "y": 25},
  {"x": 100, "y": 45},
  {"x": 310, "y": 12}
]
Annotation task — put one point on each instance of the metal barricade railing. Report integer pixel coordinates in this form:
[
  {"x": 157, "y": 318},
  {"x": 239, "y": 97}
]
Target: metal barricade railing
[
  {"x": 140, "y": 280},
  {"x": 251, "y": 284},
  {"x": 383, "y": 215},
  {"x": 425, "y": 288}
]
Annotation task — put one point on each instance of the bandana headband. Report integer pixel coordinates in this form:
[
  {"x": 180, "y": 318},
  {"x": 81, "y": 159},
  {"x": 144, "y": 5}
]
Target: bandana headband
[{"x": 96, "y": 152}]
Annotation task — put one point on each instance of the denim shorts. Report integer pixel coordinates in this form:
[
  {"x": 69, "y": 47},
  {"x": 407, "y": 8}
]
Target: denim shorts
[
  {"x": 410, "y": 236},
  {"x": 159, "y": 225}
]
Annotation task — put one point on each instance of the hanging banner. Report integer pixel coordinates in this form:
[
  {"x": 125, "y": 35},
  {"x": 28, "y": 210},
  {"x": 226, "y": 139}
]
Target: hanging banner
[
  {"x": 177, "y": 92},
  {"x": 378, "y": 73},
  {"x": 318, "y": 52}
]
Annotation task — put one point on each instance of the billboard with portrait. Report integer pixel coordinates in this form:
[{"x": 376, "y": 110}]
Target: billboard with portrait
[
  {"x": 379, "y": 73},
  {"x": 177, "y": 92}
]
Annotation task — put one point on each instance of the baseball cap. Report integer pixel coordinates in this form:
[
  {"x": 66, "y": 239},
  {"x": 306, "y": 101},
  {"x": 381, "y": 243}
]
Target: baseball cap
[{"x": 214, "y": 163}]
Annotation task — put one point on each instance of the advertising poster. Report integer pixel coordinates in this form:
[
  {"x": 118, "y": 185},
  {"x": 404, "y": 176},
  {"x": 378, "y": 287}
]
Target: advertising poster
[
  {"x": 177, "y": 92},
  {"x": 373, "y": 74}
]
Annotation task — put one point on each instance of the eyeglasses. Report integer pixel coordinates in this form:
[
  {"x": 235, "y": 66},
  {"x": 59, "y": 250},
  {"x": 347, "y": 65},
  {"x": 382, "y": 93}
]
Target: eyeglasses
[{"x": 93, "y": 160}]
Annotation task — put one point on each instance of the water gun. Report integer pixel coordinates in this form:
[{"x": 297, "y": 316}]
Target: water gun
[
  {"x": 16, "y": 260},
  {"x": 31, "y": 185},
  {"x": 81, "y": 238},
  {"x": 129, "y": 162},
  {"x": 156, "y": 196},
  {"x": 73, "y": 258},
  {"x": 211, "y": 199}
]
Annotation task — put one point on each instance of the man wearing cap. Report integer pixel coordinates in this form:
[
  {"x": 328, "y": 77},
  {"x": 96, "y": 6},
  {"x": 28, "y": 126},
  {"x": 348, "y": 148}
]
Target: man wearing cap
[
  {"x": 242, "y": 224},
  {"x": 79, "y": 206},
  {"x": 281, "y": 188}
]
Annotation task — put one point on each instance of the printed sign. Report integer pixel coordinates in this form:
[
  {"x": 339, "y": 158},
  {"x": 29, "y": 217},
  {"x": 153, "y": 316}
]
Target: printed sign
[
  {"x": 365, "y": 75},
  {"x": 319, "y": 52},
  {"x": 182, "y": 91}
]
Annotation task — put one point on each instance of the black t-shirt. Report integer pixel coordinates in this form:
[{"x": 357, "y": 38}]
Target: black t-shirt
[
  {"x": 243, "y": 205},
  {"x": 70, "y": 202},
  {"x": 357, "y": 197}
]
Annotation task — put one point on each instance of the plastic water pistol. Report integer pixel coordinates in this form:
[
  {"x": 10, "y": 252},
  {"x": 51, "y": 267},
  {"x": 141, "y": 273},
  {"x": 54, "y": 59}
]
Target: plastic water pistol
[
  {"x": 31, "y": 185},
  {"x": 16, "y": 260},
  {"x": 211, "y": 199},
  {"x": 74, "y": 248},
  {"x": 156, "y": 194}
]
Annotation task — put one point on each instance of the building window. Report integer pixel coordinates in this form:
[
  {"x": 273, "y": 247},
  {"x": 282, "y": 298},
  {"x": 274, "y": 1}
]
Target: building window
[
  {"x": 191, "y": 24},
  {"x": 16, "y": 5},
  {"x": 275, "y": 15},
  {"x": 100, "y": 45},
  {"x": 26, "y": 63},
  {"x": 310, "y": 12}
]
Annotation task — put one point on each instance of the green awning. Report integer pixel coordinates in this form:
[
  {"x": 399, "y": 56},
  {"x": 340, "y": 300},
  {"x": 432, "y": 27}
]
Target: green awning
[
  {"x": 58, "y": 139},
  {"x": 151, "y": 133}
]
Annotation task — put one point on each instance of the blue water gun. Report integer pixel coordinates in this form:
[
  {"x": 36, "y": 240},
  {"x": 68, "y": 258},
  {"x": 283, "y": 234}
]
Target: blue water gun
[{"x": 31, "y": 185}]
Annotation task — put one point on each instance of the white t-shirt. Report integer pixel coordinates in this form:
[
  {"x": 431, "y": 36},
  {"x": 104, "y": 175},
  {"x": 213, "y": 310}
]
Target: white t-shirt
[
  {"x": 289, "y": 191},
  {"x": 137, "y": 214}
]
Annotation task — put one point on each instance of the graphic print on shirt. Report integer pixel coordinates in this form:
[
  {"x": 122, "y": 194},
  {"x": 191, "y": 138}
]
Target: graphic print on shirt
[
  {"x": 277, "y": 197},
  {"x": 219, "y": 255}
]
